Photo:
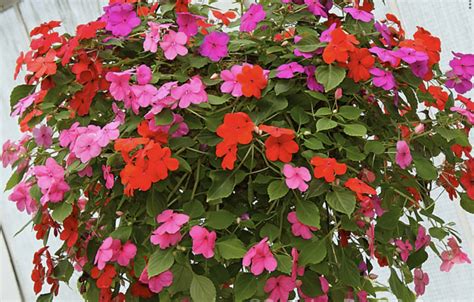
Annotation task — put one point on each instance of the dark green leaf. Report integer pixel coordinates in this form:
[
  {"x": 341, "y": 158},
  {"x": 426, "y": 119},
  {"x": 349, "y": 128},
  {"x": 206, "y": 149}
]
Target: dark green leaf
[
  {"x": 342, "y": 201},
  {"x": 245, "y": 286},
  {"x": 277, "y": 189},
  {"x": 220, "y": 220},
  {"x": 160, "y": 261},
  {"x": 308, "y": 213},
  {"x": 231, "y": 248}
]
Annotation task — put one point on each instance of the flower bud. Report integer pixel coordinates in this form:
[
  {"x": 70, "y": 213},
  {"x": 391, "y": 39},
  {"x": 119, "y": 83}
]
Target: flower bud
[
  {"x": 214, "y": 76},
  {"x": 338, "y": 94},
  {"x": 420, "y": 128}
]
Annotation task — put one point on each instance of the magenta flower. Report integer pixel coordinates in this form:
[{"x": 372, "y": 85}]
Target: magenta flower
[
  {"x": 23, "y": 104},
  {"x": 108, "y": 177},
  {"x": 420, "y": 68},
  {"x": 463, "y": 65},
  {"x": 453, "y": 256},
  {"x": 178, "y": 120},
  {"x": 259, "y": 257},
  {"x": 119, "y": 84},
  {"x": 87, "y": 147},
  {"x": 359, "y": 14},
  {"x": 411, "y": 55},
  {"x": 143, "y": 74},
  {"x": 231, "y": 85},
  {"x": 383, "y": 79},
  {"x": 165, "y": 240},
  {"x": 403, "y": 248},
  {"x": 252, "y": 17},
  {"x": 173, "y": 44},
  {"x": 279, "y": 288},
  {"x": 120, "y": 18},
  {"x": 370, "y": 233},
  {"x": 214, "y": 46},
  {"x": 190, "y": 93},
  {"x": 422, "y": 239},
  {"x": 318, "y": 9},
  {"x": 24, "y": 201},
  {"x": 203, "y": 241},
  {"x": 299, "y": 53},
  {"x": 421, "y": 280},
  {"x": 287, "y": 71},
  {"x": 465, "y": 112},
  {"x": 403, "y": 156},
  {"x": 296, "y": 177},
  {"x": 299, "y": 229},
  {"x": 459, "y": 83},
  {"x": 311, "y": 82},
  {"x": 126, "y": 253},
  {"x": 386, "y": 55},
  {"x": 326, "y": 34},
  {"x": 106, "y": 252},
  {"x": 171, "y": 222},
  {"x": 43, "y": 136},
  {"x": 187, "y": 23},
  {"x": 385, "y": 32},
  {"x": 157, "y": 283}
]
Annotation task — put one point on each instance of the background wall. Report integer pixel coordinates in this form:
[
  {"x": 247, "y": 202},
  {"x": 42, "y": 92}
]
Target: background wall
[{"x": 451, "y": 20}]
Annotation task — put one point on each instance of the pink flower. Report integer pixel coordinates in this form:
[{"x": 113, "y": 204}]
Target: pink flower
[
  {"x": 260, "y": 257},
  {"x": 386, "y": 55},
  {"x": 403, "y": 156},
  {"x": 299, "y": 229},
  {"x": 231, "y": 85},
  {"x": 411, "y": 55},
  {"x": 318, "y": 9},
  {"x": 171, "y": 222},
  {"x": 109, "y": 177},
  {"x": 86, "y": 147},
  {"x": 107, "y": 134},
  {"x": 106, "y": 252},
  {"x": 214, "y": 46},
  {"x": 173, "y": 44},
  {"x": 252, "y": 17},
  {"x": 11, "y": 152},
  {"x": 420, "y": 68},
  {"x": 422, "y": 239},
  {"x": 326, "y": 34},
  {"x": 203, "y": 241},
  {"x": 143, "y": 74},
  {"x": 279, "y": 288},
  {"x": 371, "y": 235},
  {"x": 142, "y": 96},
  {"x": 358, "y": 14},
  {"x": 453, "y": 256},
  {"x": 21, "y": 195},
  {"x": 157, "y": 283},
  {"x": 50, "y": 179},
  {"x": 463, "y": 65},
  {"x": 165, "y": 240},
  {"x": 362, "y": 296},
  {"x": 465, "y": 112},
  {"x": 121, "y": 19},
  {"x": 43, "y": 136},
  {"x": 152, "y": 37},
  {"x": 295, "y": 269},
  {"x": 311, "y": 82},
  {"x": 287, "y": 71},
  {"x": 126, "y": 253},
  {"x": 188, "y": 23},
  {"x": 296, "y": 177},
  {"x": 421, "y": 279},
  {"x": 404, "y": 248},
  {"x": 23, "y": 104},
  {"x": 119, "y": 84},
  {"x": 190, "y": 93},
  {"x": 459, "y": 83},
  {"x": 383, "y": 79}
]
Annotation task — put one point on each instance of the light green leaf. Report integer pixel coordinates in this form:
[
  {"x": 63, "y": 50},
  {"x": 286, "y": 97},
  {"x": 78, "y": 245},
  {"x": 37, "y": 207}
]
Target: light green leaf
[
  {"x": 355, "y": 130},
  {"x": 163, "y": 118},
  {"x": 245, "y": 286},
  {"x": 202, "y": 289},
  {"x": 325, "y": 124},
  {"x": 220, "y": 220},
  {"x": 330, "y": 76},
  {"x": 62, "y": 212},
  {"x": 350, "y": 112},
  {"x": 425, "y": 168},
  {"x": 231, "y": 248},
  {"x": 160, "y": 261},
  {"x": 313, "y": 252}
]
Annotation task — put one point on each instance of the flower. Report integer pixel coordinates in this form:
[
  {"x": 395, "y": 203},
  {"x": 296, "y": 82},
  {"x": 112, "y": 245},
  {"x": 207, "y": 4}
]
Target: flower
[
  {"x": 299, "y": 229},
  {"x": 360, "y": 188},
  {"x": 327, "y": 168},
  {"x": 359, "y": 14},
  {"x": 296, "y": 177},
  {"x": 385, "y": 55},
  {"x": 187, "y": 23},
  {"x": 421, "y": 279},
  {"x": 382, "y": 78},
  {"x": 23, "y": 104},
  {"x": 70, "y": 234},
  {"x": 24, "y": 201},
  {"x": 279, "y": 288},
  {"x": 339, "y": 47},
  {"x": 106, "y": 252},
  {"x": 203, "y": 241},
  {"x": 105, "y": 278},
  {"x": 190, "y": 93},
  {"x": 126, "y": 253},
  {"x": 158, "y": 282},
  {"x": 231, "y": 85},
  {"x": 403, "y": 156},
  {"x": 237, "y": 128},
  {"x": 453, "y": 256},
  {"x": 259, "y": 257},
  {"x": 50, "y": 179},
  {"x": 287, "y": 71},
  {"x": 165, "y": 240},
  {"x": 404, "y": 248},
  {"x": 317, "y": 8},
  {"x": 119, "y": 84},
  {"x": 463, "y": 65},
  {"x": 120, "y": 18},
  {"x": 224, "y": 17},
  {"x": 229, "y": 152},
  {"x": 280, "y": 145},
  {"x": 173, "y": 44},
  {"x": 43, "y": 136},
  {"x": 252, "y": 17},
  {"x": 152, "y": 37},
  {"x": 143, "y": 74},
  {"x": 422, "y": 239},
  {"x": 370, "y": 233},
  {"x": 410, "y": 55},
  {"x": 171, "y": 222},
  {"x": 465, "y": 112},
  {"x": 360, "y": 61},
  {"x": 253, "y": 80},
  {"x": 214, "y": 46},
  {"x": 311, "y": 82}
]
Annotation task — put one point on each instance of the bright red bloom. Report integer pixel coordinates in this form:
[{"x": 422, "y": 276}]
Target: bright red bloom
[
  {"x": 44, "y": 28},
  {"x": 46, "y": 224},
  {"x": 41, "y": 66},
  {"x": 440, "y": 96},
  {"x": 69, "y": 234},
  {"x": 158, "y": 136},
  {"x": 467, "y": 178},
  {"x": 360, "y": 188},
  {"x": 253, "y": 80},
  {"x": 360, "y": 61},
  {"x": 89, "y": 30},
  {"x": 141, "y": 290},
  {"x": 448, "y": 180},
  {"x": 182, "y": 6},
  {"x": 458, "y": 150},
  {"x": 224, "y": 17},
  {"x": 340, "y": 46},
  {"x": 105, "y": 295},
  {"x": 237, "y": 128},
  {"x": 43, "y": 44},
  {"x": 280, "y": 145},
  {"x": 229, "y": 152},
  {"x": 105, "y": 277},
  {"x": 327, "y": 168}
]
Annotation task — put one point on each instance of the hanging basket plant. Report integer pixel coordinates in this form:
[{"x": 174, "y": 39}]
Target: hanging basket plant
[{"x": 279, "y": 151}]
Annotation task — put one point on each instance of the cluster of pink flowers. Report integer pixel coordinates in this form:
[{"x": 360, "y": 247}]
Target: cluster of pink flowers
[
  {"x": 462, "y": 72},
  {"x": 50, "y": 179},
  {"x": 120, "y": 19},
  {"x": 169, "y": 232},
  {"x": 113, "y": 250},
  {"x": 158, "y": 282}
]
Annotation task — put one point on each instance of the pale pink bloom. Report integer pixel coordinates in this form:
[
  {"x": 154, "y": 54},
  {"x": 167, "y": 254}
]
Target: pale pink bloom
[
  {"x": 296, "y": 177},
  {"x": 109, "y": 177},
  {"x": 287, "y": 71},
  {"x": 190, "y": 93},
  {"x": 48, "y": 173},
  {"x": 106, "y": 252},
  {"x": 299, "y": 229},
  {"x": 259, "y": 257},
  {"x": 359, "y": 14},
  {"x": 152, "y": 37},
  {"x": 87, "y": 147},
  {"x": 173, "y": 44},
  {"x": 165, "y": 240},
  {"x": 43, "y": 136},
  {"x": 420, "y": 128},
  {"x": 24, "y": 201},
  {"x": 403, "y": 156},
  {"x": 279, "y": 288},
  {"x": 231, "y": 85},
  {"x": 157, "y": 283},
  {"x": 203, "y": 241},
  {"x": 119, "y": 84},
  {"x": 143, "y": 74},
  {"x": 107, "y": 134},
  {"x": 404, "y": 248},
  {"x": 143, "y": 94},
  {"x": 422, "y": 239},
  {"x": 453, "y": 256},
  {"x": 171, "y": 222},
  {"x": 126, "y": 253},
  {"x": 23, "y": 104},
  {"x": 371, "y": 235},
  {"x": 10, "y": 153},
  {"x": 421, "y": 279},
  {"x": 68, "y": 137}
]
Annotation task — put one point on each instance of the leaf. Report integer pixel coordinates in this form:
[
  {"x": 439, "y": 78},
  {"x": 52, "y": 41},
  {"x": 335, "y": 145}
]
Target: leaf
[
  {"x": 182, "y": 278},
  {"x": 355, "y": 130},
  {"x": 317, "y": 95},
  {"x": 325, "y": 124},
  {"x": 313, "y": 144},
  {"x": 245, "y": 286},
  {"x": 330, "y": 76},
  {"x": 202, "y": 289},
  {"x": 299, "y": 115},
  {"x": 467, "y": 203},
  {"x": 270, "y": 230},
  {"x": 309, "y": 43},
  {"x": 349, "y": 273},
  {"x": 13, "y": 181},
  {"x": 350, "y": 112},
  {"x": 216, "y": 100},
  {"x": 45, "y": 298},
  {"x": 122, "y": 233},
  {"x": 62, "y": 212},
  {"x": 312, "y": 253},
  {"x": 417, "y": 258},
  {"x": 282, "y": 86},
  {"x": 231, "y": 248},
  {"x": 163, "y": 118},
  {"x": 342, "y": 201},
  {"x": 323, "y": 111},
  {"x": 308, "y": 213},
  {"x": 193, "y": 208},
  {"x": 310, "y": 287},
  {"x": 399, "y": 289},
  {"x": 220, "y": 220},
  {"x": 223, "y": 184},
  {"x": 375, "y": 147},
  {"x": 20, "y": 92},
  {"x": 284, "y": 264},
  {"x": 277, "y": 189},
  {"x": 425, "y": 168},
  {"x": 160, "y": 261},
  {"x": 63, "y": 271}
]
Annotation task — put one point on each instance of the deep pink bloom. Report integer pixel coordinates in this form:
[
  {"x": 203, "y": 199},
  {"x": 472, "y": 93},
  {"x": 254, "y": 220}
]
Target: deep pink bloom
[
  {"x": 24, "y": 201},
  {"x": 109, "y": 177},
  {"x": 411, "y": 55},
  {"x": 465, "y": 112},
  {"x": 421, "y": 280},
  {"x": 362, "y": 295},
  {"x": 287, "y": 71},
  {"x": 463, "y": 65},
  {"x": 119, "y": 84},
  {"x": 420, "y": 68},
  {"x": 121, "y": 19},
  {"x": 299, "y": 229},
  {"x": 171, "y": 222},
  {"x": 252, "y": 17},
  {"x": 459, "y": 83},
  {"x": 295, "y": 269},
  {"x": 87, "y": 147},
  {"x": 422, "y": 239},
  {"x": 231, "y": 85},
  {"x": 157, "y": 283},
  {"x": 326, "y": 34},
  {"x": 259, "y": 257},
  {"x": 173, "y": 44},
  {"x": 106, "y": 252},
  {"x": 165, "y": 240},
  {"x": 311, "y": 82},
  {"x": 279, "y": 288},
  {"x": 23, "y": 104},
  {"x": 382, "y": 78},
  {"x": 126, "y": 253},
  {"x": 188, "y": 23},
  {"x": 214, "y": 46},
  {"x": 403, "y": 156},
  {"x": 192, "y": 92},
  {"x": 386, "y": 55},
  {"x": 203, "y": 241},
  {"x": 318, "y": 9},
  {"x": 404, "y": 248},
  {"x": 453, "y": 256},
  {"x": 371, "y": 236},
  {"x": 43, "y": 136},
  {"x": 296, "y": 177},
  {"x": 143, "y": 74},
  {"x": 359, "y": 14}
]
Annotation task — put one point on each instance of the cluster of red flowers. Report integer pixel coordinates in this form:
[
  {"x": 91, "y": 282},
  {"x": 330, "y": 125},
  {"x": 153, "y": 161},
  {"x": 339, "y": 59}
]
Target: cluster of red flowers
[{"x": 40, "y": 273}]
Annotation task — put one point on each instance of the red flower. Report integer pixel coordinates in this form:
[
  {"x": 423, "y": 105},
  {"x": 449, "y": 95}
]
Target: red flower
[
  {"x": 237, "y": 128},
  {"x": 69, "y": 233},
  {"x": 458, "y": 150},
  {"x": 105, "y": 277},
  {"x": 141, "y": 290},
  {"x": 105, "y": 295},
  {"x": 229, "y": 152},
  {"x": 181, "y": 6},
  {"x": 43, "y": 65},
  {"x": 44, "y": 28},
  {"x": 89, "y": 30},
  {"x": 360, "y": 188},
  {"x": 280, "y": 145},
  {"x": 253, "y": 80},
  {"x": 360, "y": 61},
  {"x": 338, "y": 49},
  {"x": 44, "y": 43},
  {"x": 327, "y": 168},
  {"x": 440, "y": 96},
  {"x": 224, "y": 17},
  {"x": 448, "y": 180},
  {"x": 467, "y": 178},
  {"x": 158, "y": 136}
]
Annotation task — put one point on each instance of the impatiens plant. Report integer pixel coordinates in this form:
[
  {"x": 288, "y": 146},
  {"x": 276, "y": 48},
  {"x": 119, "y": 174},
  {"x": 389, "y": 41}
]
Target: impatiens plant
[{"x": 280, "y": 151}]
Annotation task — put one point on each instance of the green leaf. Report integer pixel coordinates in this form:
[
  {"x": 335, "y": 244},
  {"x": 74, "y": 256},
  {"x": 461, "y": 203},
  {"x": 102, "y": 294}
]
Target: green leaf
[
  {"x": 308, "y": 213},
  {"x": 330, "y": 76},
  {"x": 63, "y": 270},
  {"x": 349, "y": 273},
  {"x": 317, "y": 95},
  {"x": 425, "y": 168},
  {"x": 45, "y": 298},
  {"x": 160, "y": 261},
  {"x": 14, "y": 180},
  {"x": 309, "y": 43},
  {"x": 216, "y": 100},
  {"x": 182, "y": 278},
  {"x": 325, "y": 124},
  {"x": 62, "y": 212},
  {"x": 375, "y": 147},
  {"x": 202, "y": 289},
  {"x": 220, "y": 220},
  {"x": 313, "y": 144},
  {"x": 231, "y": 248},
  {"x": 313, "y": 252},
  {"x": 277, "y": 189},
  {"x": 245, "y": 286},
  {"x": 284, "y": 264},
  {"x": 350, "y": 112},
  {"x": 20, "y": 92},
  {"x": 417, "y": 258},
  {"x": 282, "y": 86},
  {"x": 323, "y": 111},
  {"x": 399, "y": 289},
  {"x": 467, "y": 203},
  {"x": 355, "y": 130},
  {"x": 310, "y": 286},
  {"x": 122, "y": 233},
  {"x": 342, "y": 201},
  {"x": 163, "y": 118},
  {"x": 299, "y": 115},
  {"x": 193, "y": 208},
  {"x": 270, "y": 230},
  {"x": 223, "y": 184}
]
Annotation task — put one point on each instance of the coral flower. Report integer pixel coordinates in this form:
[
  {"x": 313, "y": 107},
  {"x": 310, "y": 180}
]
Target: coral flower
[
  {"x": 260, "y": 257},
  {"x": 229, "y": 152},
  {"x": 327, "y": 168},
  {"x": 203, "y": 241},
  {"x": 360, "y": 61},
  {"x": 280, "y": 145},
  {"x": 253, "y": 80},
  {"x": 237, "y": 128},
  {"x": 339, "y": 47},
  {"x": 360, "y": 188}
]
